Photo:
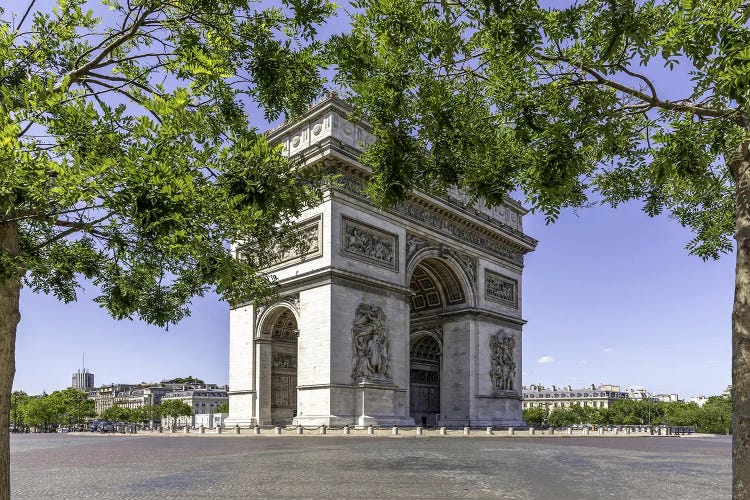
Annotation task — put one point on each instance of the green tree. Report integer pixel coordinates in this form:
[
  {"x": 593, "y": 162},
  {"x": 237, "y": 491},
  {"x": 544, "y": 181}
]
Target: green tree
[
  {"x": 186, "y": 380},
  {"x": 18, "y": 400},
  {"x": 119, "y": 414},
  {"x": 561, "y": 417},
  {"x": 175, "y": 408},
  {"x": 148, "y": 414},
  {"x": 223, "y": 408},
  {"x": 75, "y": 406},
  {"x": 556, "y": 101},
  {"x": 42, "y": 413},
  {"x": 129, "y": 159},
  {"x": 535, "y": 416}
]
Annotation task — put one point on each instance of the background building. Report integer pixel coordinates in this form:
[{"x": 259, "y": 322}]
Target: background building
[
  {"x": 83, "y": 380},
  {"x": 597, "y": 397},
  {"x": 203, "y": 402}
]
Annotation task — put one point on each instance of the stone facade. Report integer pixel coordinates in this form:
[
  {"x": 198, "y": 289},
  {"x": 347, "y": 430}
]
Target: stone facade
[{"x": 404, "y": 316}]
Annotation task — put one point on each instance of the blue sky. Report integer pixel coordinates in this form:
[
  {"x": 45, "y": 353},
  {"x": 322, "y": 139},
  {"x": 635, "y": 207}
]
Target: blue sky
[{"x": 610, "y": 296}]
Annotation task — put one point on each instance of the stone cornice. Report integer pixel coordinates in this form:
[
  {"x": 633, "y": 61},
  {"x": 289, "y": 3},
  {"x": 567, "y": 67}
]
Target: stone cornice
[
  {"x": 499, "y": 318},
  {"x": 330, "y": 275}
]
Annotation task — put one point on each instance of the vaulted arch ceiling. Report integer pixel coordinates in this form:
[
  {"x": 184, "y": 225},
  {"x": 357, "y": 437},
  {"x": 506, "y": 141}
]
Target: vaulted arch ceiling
[{"x": 435, "y": 286}]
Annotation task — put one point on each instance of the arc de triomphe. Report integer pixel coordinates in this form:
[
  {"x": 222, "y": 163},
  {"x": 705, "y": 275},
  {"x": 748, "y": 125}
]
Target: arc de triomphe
[{"x": 404, "y": 316}]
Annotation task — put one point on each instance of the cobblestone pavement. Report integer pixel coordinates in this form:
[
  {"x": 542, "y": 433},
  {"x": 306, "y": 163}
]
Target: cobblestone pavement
[{"x": 53, "y": 466}]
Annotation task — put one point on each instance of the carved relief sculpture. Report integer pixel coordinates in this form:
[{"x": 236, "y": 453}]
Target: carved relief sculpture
[
  {"x": 502, "y": 364},
  {"x": 369, "y": 244},
  {"x": 371, "y": 358}
]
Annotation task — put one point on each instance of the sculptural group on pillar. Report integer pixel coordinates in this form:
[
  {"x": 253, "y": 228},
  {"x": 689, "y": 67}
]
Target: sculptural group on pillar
[
  {"x": 371, "y": 358},
  {"x": 502, "y": 364}
]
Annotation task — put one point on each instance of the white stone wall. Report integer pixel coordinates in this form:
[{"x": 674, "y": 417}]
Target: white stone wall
[{"x": 241, "y": 364}]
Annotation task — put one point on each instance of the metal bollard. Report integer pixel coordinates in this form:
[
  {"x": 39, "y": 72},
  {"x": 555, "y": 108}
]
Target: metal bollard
[
  {"x": 256, "y": 430},
  {"x": 370, "y": 430},
  {"x": 511, "y": 431},
  {"x": 467, "y": 430},
  {"x": 442, "y": 431},
  {"x": 346, "y": 430},
  {"x": 489, "y": 431},
  {"x": 394, "y": 430},
  {"x": 323, "y": 429},
  {"x": 300, "y": 429},
  {"x": 277, "y": 430},
  {"x": 419, "y": 431}
]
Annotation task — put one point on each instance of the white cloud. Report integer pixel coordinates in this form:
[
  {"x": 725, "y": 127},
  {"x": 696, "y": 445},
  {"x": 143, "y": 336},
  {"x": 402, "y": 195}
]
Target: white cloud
[
  {"x": 609, "y": 349},
  {"x": 583, "y": 362},
  {"x": 546, "y": 359}
]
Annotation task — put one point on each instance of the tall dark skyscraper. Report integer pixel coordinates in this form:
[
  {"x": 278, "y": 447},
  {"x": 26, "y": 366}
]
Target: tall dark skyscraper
[{"x": 83, "y": 379}]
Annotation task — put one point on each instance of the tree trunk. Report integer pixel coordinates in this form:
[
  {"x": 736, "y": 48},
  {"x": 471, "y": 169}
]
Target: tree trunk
[
  {"x": 10, "y": 291},
  {"x": 741, "y": 335}
]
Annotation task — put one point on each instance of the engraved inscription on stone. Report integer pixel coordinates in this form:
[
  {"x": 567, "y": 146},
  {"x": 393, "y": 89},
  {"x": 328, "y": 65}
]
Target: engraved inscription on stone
[
  {"x": 364, "y": 242},
  {"x": 371, "y": 345},
  {"x": 501, "y": 289},
  {"x": 502, "y": 364},
  {"x": 281, "y": 360}
]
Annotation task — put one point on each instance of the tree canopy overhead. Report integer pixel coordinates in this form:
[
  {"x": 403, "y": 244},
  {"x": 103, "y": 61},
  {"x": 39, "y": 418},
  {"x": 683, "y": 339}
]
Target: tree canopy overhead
[{"x": 556, "y": 102}]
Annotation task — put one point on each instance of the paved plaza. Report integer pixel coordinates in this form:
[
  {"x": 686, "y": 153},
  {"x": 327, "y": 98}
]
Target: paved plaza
[{"x": 51, "y": 466}]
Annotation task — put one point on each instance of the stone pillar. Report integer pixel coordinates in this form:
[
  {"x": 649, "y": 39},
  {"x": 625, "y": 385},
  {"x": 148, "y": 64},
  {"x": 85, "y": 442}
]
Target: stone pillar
[
  {"x": 551, "y": 431},
  {"x": 218, "y": 429},
  {"x": 242, "y": 359},
  {"x": 569, "y": 431},
  {"x": 300, "y": 430},
  {"x": 442, "y": 431},
  {"x": 466, "y": 431},
  {"x": 256, "y": 430},
  {"x": 236, "y": 429},
  {"x": 187, "y": 429},
  {"x": 323, "y": 429},
  {"x": 346, "y": 430},
  {"x": 277, "y": 430},
  {"x": 585, "y": 431},
  {"x": 601, "y": 431},
  {"x": 511, "y": 431},
  {"x": 531, "y": 431},
  {"x": 489, "y": 431},
  {"x": 419, "y": 431},
  {"x": 394, "y": 430},
  {"x": 370, "y": 430},
  {"x": 202, "y": 429}
]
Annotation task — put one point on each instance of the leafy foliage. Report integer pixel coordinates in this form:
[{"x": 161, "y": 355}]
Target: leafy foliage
[
  {"x": 46, "y": 412},
  {"x": 129, "y": 155},
  {"x": 714, "y": 417},
  {"x": 555, "y": 101},
  {"x": 223, "y": 408}
]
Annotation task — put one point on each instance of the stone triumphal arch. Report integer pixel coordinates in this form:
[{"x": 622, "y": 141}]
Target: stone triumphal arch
[{"x": 390, "y": 317}]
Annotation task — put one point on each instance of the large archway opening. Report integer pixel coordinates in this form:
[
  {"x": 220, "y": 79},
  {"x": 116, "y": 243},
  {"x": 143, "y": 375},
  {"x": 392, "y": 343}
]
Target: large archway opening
[
  {"x": 435, "y": 289},
  {"x": 284, "y": 332}
]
